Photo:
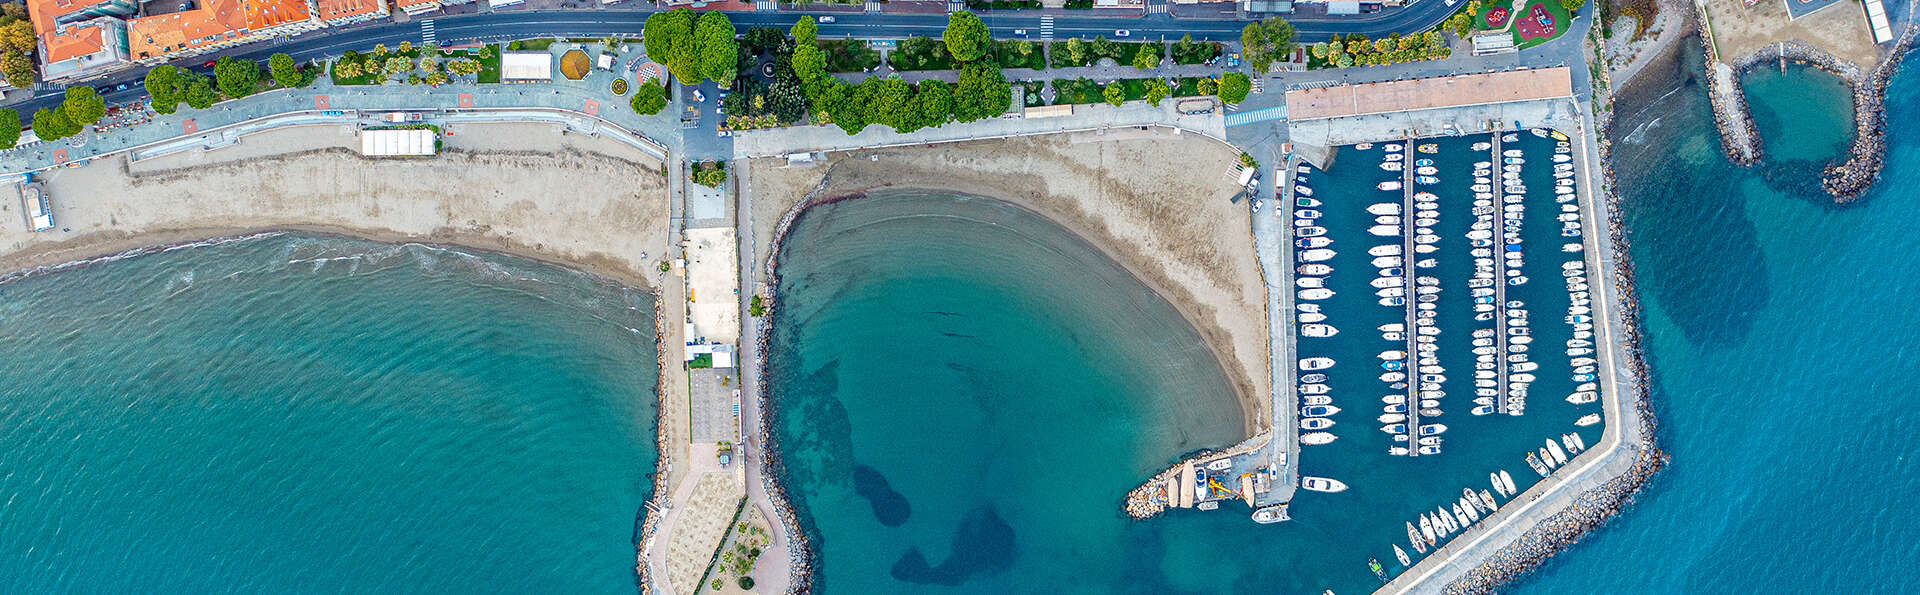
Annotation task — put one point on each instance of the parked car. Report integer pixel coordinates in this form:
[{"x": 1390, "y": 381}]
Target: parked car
[{"x": 1122, "y": 33}]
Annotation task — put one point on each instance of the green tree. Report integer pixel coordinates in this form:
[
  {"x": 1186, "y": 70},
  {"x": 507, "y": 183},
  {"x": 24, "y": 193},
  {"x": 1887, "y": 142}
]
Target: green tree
[
  {"x": 1207, "y": 86},
  {"x": 1234, "y": 87},
  {"x": 981, "y": 93},
  {"x": 53, "y": 125},
  {"x": 1345, "y": 60},
  {"x": 1146, "y": 59},
  {"x": 284, "y": 71},
  {"x": 649, "y": 99},
  {"x": 668, "y": 39},
  {"x": 717, "y": 51},
  {"x": 967, "y": 38},
  {"x": 200, "y": 94},
  {"x": 9, "y": 128},
  {"x": 83, "y": 105},
  {"x": 932, "y": 105},
  {"x": 1115, "y": 93},
  {"x": 804, "y": 32},
  {"x": 1573, "y": 6},
  {"x": 1077, "y": 52},
  {"x": 1155, "y": 91},
  {"x": 887, "y": 102},
  {"x": 236, "y": 77},
  {"x": 1266, "y": 41},
  {"x": 166, "y": 87},
  {"x": 18, "y": 69}
]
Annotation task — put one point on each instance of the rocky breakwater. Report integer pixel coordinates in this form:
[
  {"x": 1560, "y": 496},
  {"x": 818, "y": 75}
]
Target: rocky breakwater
[
  {"x": 1849, "y": 179},
  {"x": 1596, "y": 506},
  {"x": 1729, "y": 104}
]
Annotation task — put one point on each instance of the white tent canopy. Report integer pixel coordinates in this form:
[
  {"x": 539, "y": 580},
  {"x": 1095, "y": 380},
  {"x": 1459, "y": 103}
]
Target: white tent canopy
[
  {"x": 411, "y": 142},
  {"x": 526, "y": 66}
]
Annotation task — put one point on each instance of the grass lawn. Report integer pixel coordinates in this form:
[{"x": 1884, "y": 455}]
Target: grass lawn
[
  {"x": 1189, "y": 87},
  {"x": 530, "y": 45},
  {"x": 1121, "y": 52},
  {"x": 848, "y": 55},
  {"x": 920, "y": 53},
  {"x": 1561, "y": 20},
  {"x": 1007, "y": 54},
  {"x": 1198, "y": 52},
  {"x": 1076, "y": 91}
]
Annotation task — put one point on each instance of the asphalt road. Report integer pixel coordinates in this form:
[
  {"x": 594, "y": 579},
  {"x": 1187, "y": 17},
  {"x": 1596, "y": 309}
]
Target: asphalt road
[{"x": 504, "y": 26}]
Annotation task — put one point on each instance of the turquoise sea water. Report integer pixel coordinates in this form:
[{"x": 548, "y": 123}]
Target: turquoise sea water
[
  {"x": 307, "y": 414},
  {"x": 1781, "y": 338}
]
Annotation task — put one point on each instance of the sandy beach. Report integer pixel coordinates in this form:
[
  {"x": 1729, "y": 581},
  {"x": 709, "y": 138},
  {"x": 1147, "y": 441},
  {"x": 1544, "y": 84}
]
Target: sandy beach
[
  {"x": 524, "y": 189},
  {"x": 1155, "y": 202}
]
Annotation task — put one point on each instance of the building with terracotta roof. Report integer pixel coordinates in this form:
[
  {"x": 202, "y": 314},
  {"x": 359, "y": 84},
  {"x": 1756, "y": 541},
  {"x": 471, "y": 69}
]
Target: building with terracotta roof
[
  {"x": 346, "y": 12},
  {"x": 70, "y": 46},
  {"x": 414, "y": 7},
  {"x": 214, "y": 25},
  {"x": 84, "y": 49}
]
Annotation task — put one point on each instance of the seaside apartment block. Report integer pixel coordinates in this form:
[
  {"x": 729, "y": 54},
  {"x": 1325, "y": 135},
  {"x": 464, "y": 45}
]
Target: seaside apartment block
[{"x": 80, "y": 39}]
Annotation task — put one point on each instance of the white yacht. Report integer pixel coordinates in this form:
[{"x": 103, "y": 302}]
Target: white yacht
[
  {"x": 1316, "y": 363},
  {"x": 1317, "y": 438},
  {"x": 1322, "y": 484}
]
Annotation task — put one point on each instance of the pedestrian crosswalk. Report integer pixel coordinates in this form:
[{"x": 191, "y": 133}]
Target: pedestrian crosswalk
[
  {"x": 1260, "y": 115},
  {"x": 1160, "y": 8},
  {"x": 1259, "y": 84},
  {"x": 426, "y": 31},
  {"x": 873, "y": 6},
  {"x": 1046, "y": 28},
  {"x": 766, "y": 5},
  {"x": 956, "y": 5}
]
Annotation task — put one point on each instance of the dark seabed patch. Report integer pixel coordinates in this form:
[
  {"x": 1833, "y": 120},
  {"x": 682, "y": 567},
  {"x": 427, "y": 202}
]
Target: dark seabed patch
[
  {"x": 983, "y": 544},
  {"x": 889, "y": 507}
]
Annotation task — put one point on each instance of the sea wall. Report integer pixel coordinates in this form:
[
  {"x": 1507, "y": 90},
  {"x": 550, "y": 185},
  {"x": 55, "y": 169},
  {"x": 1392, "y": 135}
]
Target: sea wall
[
  {"x": 1598, "y": 505},
  {"x": 801, "y": 555}
]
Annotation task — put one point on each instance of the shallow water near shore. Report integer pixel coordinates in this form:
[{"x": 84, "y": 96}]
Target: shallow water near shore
[
  {"x": 294, "y": 413},
  {"x": 1780, "y": 340}
]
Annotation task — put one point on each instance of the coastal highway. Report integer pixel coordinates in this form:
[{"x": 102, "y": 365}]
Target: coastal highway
[{"x": 504, "y": 26}]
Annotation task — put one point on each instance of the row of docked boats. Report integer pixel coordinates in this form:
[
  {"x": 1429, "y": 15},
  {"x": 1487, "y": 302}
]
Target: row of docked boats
[
  {"x": 1448, "y": 520},
  {"x": 1545, "y": 459},
  {"x": 1411, "y": 365},
  {"x": 1314, "y": 248}
]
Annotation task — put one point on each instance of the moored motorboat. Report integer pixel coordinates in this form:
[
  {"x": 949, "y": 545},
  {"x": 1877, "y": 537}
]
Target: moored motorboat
[
  {"x": 1587, "y": 420},
  {"x": 1318, "y": 330},
  {"x": 1559, "y": 456},
  {"x": 1384, "y": 208},
  {"x": 1316, "y": 400},
  {"x": 1317, "y": 438},
  {"x": 1313, "y": 242},
  {"x": 1389, "y": 185},
  {"x": 1316, "y": 363},
  {"x": 1534, "y": 462},
  {"x": 1322, "y": 484},
  {"x": 1314, "y": 269},
  {"x": 1318, "y": 411},
  {"x": 1315, "y": 423},
  {"x": 1270, "y": 514},
  {"x": 1497, "y": 486},
  {"x": 1426, "y": 529},
  {"x": 1317, "y": 293},
  {"x": 1508, "y": 479},
  {"x": 1401, "y": 555}
]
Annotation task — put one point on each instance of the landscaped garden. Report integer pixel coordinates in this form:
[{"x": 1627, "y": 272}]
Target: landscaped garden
[
  {"x": 848, "y": 55},
  {"x": 417, "y": 65}
]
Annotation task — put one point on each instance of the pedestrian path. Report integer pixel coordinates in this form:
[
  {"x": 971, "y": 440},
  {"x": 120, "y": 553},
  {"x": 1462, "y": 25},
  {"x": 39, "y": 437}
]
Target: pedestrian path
[
  {"x": 1278, "y": 112},
  {"x": 426, "y": 31}
]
